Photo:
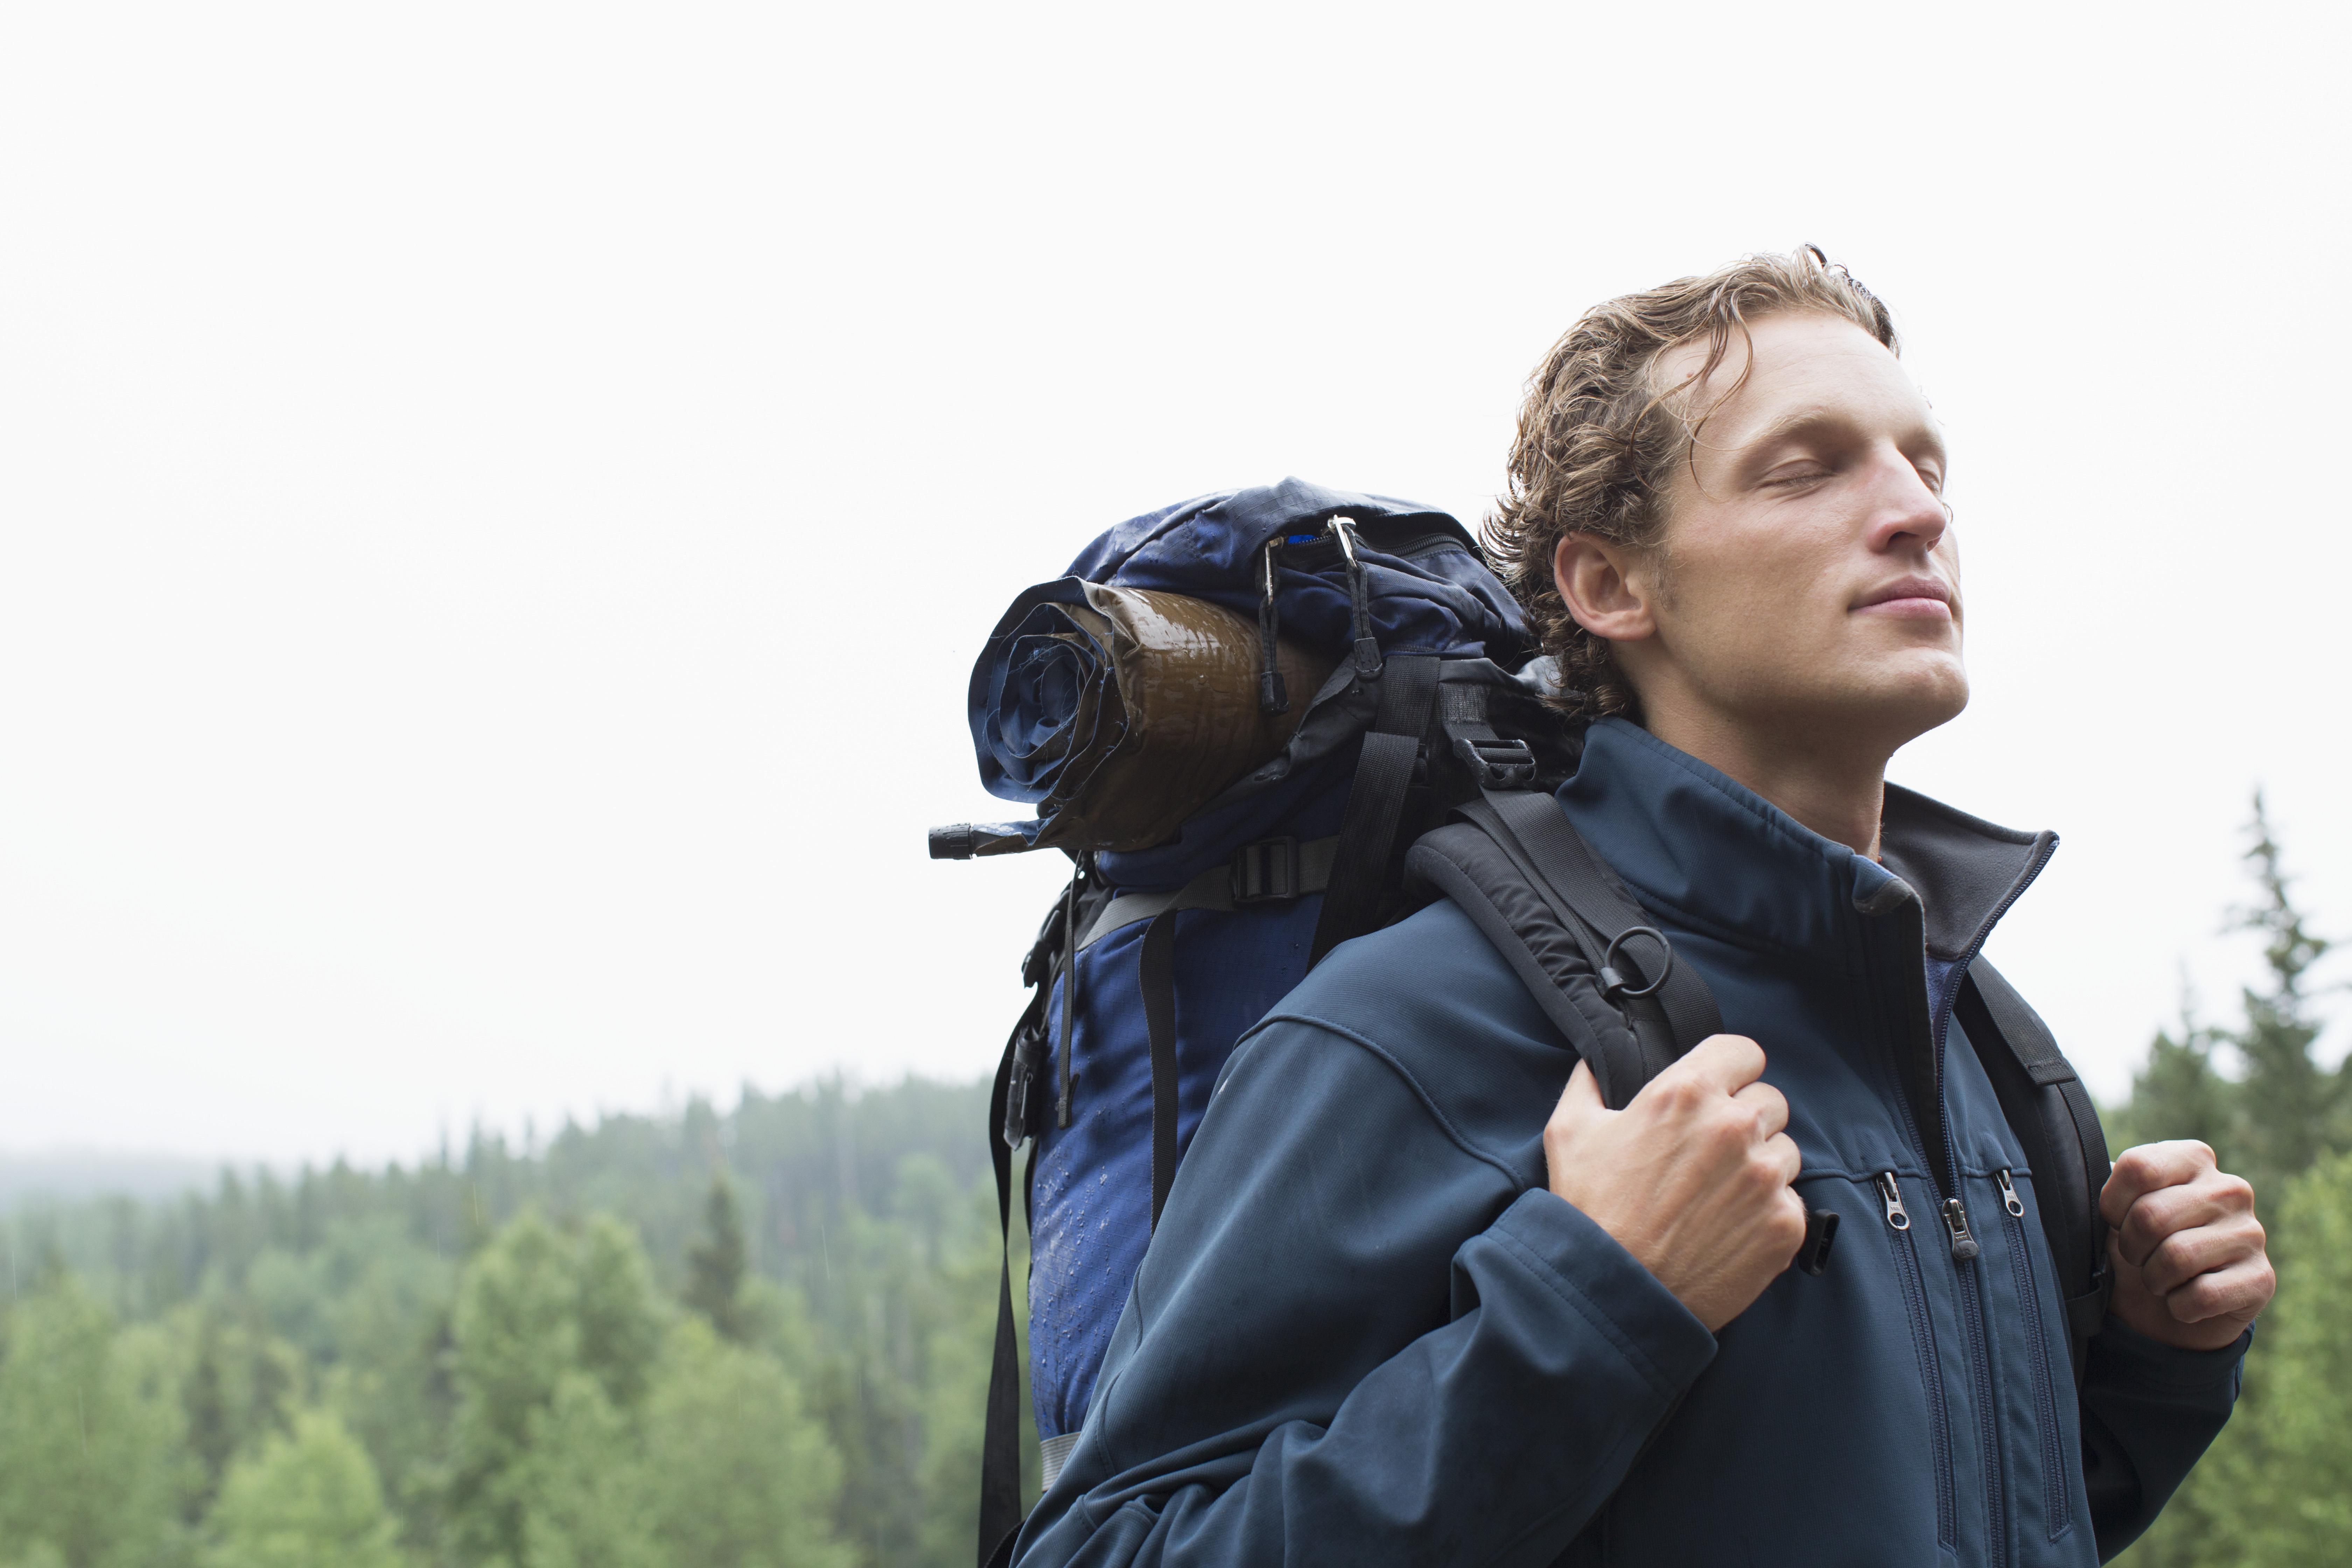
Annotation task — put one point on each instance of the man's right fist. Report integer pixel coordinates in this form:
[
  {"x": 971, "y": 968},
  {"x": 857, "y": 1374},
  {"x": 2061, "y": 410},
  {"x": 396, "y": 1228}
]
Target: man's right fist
[{"x": 1692, "y": 1178}]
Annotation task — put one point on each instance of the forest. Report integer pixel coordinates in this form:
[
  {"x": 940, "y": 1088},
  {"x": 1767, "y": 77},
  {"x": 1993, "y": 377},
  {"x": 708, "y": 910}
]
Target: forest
[{"x": 759, "y": 1338}]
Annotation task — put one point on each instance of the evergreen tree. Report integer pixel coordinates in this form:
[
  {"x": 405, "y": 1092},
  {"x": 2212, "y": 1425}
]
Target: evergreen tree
[
  {"x": 2179, "y": 1092},
  {"x": 715, "y": 1264},
  {"x": 2290, "y": 1507},
  {"x": 2286, "y": 1103},
  {"x": 2268, "y": 1495}
]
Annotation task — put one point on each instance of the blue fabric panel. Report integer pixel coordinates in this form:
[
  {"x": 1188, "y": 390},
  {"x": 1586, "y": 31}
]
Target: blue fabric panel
[{"x": 1091, "y": 1194}]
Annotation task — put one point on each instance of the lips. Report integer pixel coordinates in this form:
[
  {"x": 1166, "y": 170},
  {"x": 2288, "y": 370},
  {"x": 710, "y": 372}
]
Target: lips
[{"x": 1921, "y": 596}]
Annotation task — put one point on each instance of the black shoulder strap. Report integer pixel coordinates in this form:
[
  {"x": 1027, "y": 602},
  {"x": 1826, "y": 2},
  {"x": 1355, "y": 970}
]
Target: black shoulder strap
[
  {"x": 1567, "y": 929},
  {"x": 2051, "y": 1114}
]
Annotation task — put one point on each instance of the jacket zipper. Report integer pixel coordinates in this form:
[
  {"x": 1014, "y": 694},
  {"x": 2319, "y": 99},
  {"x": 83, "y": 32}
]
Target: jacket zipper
[
  {"x": 1923, "y": 1340},
  {"x": 1970, "y": 1290},
  {"x": 1932, "y": 1134},
  {"x": 2057, "y": 1499}
]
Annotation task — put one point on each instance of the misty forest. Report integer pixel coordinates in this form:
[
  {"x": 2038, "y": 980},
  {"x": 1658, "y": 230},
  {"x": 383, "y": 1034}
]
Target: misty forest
[{"x": 760, "y": 1338}]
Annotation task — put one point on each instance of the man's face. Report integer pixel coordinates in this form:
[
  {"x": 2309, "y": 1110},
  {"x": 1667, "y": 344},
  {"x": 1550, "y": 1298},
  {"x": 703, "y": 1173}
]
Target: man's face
[{"x": 1809, "y": 592}]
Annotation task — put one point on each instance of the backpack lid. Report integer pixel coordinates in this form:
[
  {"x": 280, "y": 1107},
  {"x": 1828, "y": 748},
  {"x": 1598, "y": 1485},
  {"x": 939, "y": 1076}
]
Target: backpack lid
[{"x": 1429, "y": 591}]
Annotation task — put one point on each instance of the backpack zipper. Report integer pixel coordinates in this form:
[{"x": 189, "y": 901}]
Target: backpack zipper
[
  {"x": 1898, "y": 1217},
  {"x": 2009, "y": 1198}
]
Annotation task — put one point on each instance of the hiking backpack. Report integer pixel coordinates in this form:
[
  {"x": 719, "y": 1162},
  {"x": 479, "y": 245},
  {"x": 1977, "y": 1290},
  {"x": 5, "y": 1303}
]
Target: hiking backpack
[{"x": 1420, "y": 766}]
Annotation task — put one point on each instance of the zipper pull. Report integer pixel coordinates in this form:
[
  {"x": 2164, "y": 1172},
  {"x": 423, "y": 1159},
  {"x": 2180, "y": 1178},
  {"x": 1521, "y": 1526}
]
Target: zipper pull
[
  {"x": 1892, "y": 1196},
  {"x": 2009, "y": 1198},
  {"x": 1955, "y": 1220}
]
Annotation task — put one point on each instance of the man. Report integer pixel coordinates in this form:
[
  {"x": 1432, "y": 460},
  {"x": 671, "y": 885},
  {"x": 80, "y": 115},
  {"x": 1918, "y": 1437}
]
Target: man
[{"x": 1419, "y": 1297}]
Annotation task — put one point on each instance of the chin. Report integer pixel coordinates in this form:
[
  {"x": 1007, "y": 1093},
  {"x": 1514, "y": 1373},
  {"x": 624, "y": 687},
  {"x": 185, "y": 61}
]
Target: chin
[{"x": 1927, "y": 699}]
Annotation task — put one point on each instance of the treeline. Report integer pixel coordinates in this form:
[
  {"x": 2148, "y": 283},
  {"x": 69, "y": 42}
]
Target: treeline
[
  {"x": 756, "y": 1337},
  {"x": 760, "y": 1339},
  {"x": 2271, "y": 1493}
]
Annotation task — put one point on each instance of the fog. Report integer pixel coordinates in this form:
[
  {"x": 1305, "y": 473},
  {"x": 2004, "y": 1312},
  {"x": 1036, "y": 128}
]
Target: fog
[{"x": 497, "y": 503}]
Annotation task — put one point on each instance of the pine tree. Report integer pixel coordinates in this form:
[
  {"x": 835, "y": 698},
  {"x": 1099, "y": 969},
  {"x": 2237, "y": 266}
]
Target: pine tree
[
  {"x": 715, "y": 1264},
  {"x": 2180, "y": 1093},
  {"x": 2286, "y": 1102}
]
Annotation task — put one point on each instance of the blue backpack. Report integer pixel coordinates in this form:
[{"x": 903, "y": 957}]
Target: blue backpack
[{"x": 1154, "y": 961}]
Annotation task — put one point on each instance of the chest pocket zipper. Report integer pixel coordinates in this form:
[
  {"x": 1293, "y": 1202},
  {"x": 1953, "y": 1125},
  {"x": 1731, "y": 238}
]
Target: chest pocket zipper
[
  {"x": 1923, "y": 1343},
  {"x": 1897, "y": 1218},
  {"x": 2057, "y": 1497}
]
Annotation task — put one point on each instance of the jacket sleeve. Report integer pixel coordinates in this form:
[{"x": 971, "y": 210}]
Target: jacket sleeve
[
  {"x": 1358, "y": 1339},
  {"x": 2148, "y": 1412}
]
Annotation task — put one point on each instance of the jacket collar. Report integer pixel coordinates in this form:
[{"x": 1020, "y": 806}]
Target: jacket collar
[{"x": 1715, "y": 856}]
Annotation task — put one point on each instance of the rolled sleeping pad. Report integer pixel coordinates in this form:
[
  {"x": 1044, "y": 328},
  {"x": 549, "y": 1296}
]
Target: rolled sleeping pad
[{"x": 1121, "y": 711}]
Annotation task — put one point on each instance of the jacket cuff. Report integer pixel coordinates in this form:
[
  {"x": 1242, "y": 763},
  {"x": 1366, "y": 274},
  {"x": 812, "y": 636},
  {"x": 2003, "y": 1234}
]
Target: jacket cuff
[
  {"x": 2153, "y": 1364},
  {"x": 1606, "y": 1285}
]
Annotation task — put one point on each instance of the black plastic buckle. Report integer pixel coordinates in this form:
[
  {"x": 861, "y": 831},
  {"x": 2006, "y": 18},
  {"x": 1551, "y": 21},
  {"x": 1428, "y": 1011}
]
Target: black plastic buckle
[
  {"x": 1028, "y": 1059},
  {"x": 1497, "y": 764},
  {"x": 1266, "y": 872}
]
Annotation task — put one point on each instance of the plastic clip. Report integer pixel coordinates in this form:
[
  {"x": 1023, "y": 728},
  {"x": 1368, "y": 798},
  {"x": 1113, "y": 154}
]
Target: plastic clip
[
  {"x": 1497, "y": 764},
  {"x": 1266, "y": 872}
]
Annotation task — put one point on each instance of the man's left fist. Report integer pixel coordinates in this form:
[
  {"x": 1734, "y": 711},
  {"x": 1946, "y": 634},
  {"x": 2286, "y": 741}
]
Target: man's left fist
[{"x": 2190, "y": 1270}]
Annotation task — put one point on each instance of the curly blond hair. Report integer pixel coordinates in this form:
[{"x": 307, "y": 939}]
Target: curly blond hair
[{"x": 1599, "y": 438}]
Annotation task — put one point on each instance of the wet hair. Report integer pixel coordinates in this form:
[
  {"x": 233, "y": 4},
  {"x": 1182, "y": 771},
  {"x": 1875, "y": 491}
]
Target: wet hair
[{"x": 1599, "y": 438}]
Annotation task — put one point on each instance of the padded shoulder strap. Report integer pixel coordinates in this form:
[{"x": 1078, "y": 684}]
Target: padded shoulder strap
[
  {"x": 2051, "y": 1112},
  {"x": 1463, "y": 864},
  {"x": 1551, "y": 908}
]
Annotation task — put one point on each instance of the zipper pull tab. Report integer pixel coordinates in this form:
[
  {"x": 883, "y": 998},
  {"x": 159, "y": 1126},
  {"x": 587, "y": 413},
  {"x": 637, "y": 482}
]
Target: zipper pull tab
[
  {"x": 1892, "y": 1196},
  {"x": 1955, "y": 1220},
  {"x": 2009, "y": 1198}
]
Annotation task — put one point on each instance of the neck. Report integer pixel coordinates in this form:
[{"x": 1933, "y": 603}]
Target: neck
[{"x": 1837, "y": 790}]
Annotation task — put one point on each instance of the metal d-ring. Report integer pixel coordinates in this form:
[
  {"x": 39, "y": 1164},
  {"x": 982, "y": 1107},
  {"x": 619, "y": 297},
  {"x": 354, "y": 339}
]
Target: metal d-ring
[{"x": 1613, "y": 983}]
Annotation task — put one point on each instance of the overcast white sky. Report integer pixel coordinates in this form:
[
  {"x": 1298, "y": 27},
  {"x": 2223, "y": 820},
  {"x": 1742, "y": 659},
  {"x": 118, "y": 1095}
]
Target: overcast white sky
[{"x": 497, "y": 502}]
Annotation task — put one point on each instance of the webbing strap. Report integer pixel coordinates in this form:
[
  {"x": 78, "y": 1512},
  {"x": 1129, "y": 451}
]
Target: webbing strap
[
  {"x": 1000, "y": 1452},
  {"x": 1216, "y": 888},
  {"x": 1055, "y": 1452},
  {"x": 1159, "y": 986},
  {"x": 1351, "y": 904},
  {"x": 1069, "y": 994}
]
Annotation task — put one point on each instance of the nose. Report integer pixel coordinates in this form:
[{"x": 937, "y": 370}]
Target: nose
[{"x": 1905, "y": 514}]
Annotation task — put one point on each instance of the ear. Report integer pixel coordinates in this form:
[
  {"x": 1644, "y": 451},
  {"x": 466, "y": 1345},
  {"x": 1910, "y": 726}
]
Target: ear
[{"x": 1604, "y": 588}]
